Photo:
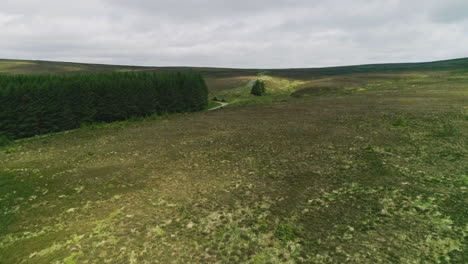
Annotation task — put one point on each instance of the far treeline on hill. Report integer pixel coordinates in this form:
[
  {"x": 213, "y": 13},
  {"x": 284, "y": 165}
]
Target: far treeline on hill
[{"x": 39, "y": 104}]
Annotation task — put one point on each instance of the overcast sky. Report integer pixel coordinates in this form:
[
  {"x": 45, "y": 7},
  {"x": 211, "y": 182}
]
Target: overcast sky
[{"x": 234, "y": 33}]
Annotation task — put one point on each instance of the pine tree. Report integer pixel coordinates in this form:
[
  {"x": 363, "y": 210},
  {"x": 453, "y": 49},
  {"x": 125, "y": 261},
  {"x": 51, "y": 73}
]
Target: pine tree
[
  {"x": 258, "y": 88},
  {"x": 37, "y": 104}
]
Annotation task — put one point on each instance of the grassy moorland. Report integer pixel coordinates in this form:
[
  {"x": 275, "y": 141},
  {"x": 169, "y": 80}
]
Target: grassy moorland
[{"x": 364, "y": 164}]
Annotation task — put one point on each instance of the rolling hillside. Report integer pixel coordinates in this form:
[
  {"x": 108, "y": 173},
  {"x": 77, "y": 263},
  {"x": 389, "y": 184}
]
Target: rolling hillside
[
  {"x": 358, "y": 164},
  {"x": 225, "y": 78},
  {"x": 49, "y": 67}
]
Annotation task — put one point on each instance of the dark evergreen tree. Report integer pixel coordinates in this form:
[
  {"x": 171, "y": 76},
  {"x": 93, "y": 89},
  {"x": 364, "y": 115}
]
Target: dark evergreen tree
[
  {"x": 38, "y": 104},
  {"x": 258, "y": 88}
]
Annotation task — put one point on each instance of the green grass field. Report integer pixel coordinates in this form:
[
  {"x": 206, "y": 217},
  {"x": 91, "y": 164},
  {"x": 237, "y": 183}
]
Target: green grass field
[{"x": 364, "y": 164}]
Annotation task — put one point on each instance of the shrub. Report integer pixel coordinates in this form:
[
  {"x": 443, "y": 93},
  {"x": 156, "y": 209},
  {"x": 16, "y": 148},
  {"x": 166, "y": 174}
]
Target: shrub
[
  {"x": 4, "y": 141},
  {"x": 258, "y": 88},
  {"x": 400, "y": 122},
  {"x": 447, "y": 130}
]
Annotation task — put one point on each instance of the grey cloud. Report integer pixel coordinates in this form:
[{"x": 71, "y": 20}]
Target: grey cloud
[
  {"x": 262, "y": 33},
  {"x": 455, "y": 12}
]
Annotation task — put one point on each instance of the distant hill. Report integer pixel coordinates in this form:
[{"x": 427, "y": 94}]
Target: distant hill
[
  {"x": 446, "y": 65},
  {"x": 50, "y": 67}
]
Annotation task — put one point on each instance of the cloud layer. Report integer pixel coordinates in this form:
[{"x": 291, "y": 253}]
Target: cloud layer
[{"x": 226, "y": 33}]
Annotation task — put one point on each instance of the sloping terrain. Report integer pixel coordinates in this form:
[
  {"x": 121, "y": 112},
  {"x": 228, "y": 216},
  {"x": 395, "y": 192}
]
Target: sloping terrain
[
  {"x": 225, "y": 74},
  {"x": 355, "y": 167}
]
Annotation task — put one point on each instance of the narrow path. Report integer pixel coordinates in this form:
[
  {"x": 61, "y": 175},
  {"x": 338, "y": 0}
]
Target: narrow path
[
  {"x": 249, "y": 85},
  {"x": 223, "y": 104}
]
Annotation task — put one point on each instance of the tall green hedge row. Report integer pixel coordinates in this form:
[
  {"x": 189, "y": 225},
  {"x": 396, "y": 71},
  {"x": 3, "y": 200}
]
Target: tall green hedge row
[{"x": 38, "y": 104}]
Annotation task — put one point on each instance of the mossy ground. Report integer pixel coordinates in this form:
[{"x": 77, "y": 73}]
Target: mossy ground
[{"x": 373, "y": 170}]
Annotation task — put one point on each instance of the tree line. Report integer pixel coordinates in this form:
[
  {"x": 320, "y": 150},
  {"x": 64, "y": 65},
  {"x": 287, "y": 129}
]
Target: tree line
[{"x": 39, "y": 104}]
